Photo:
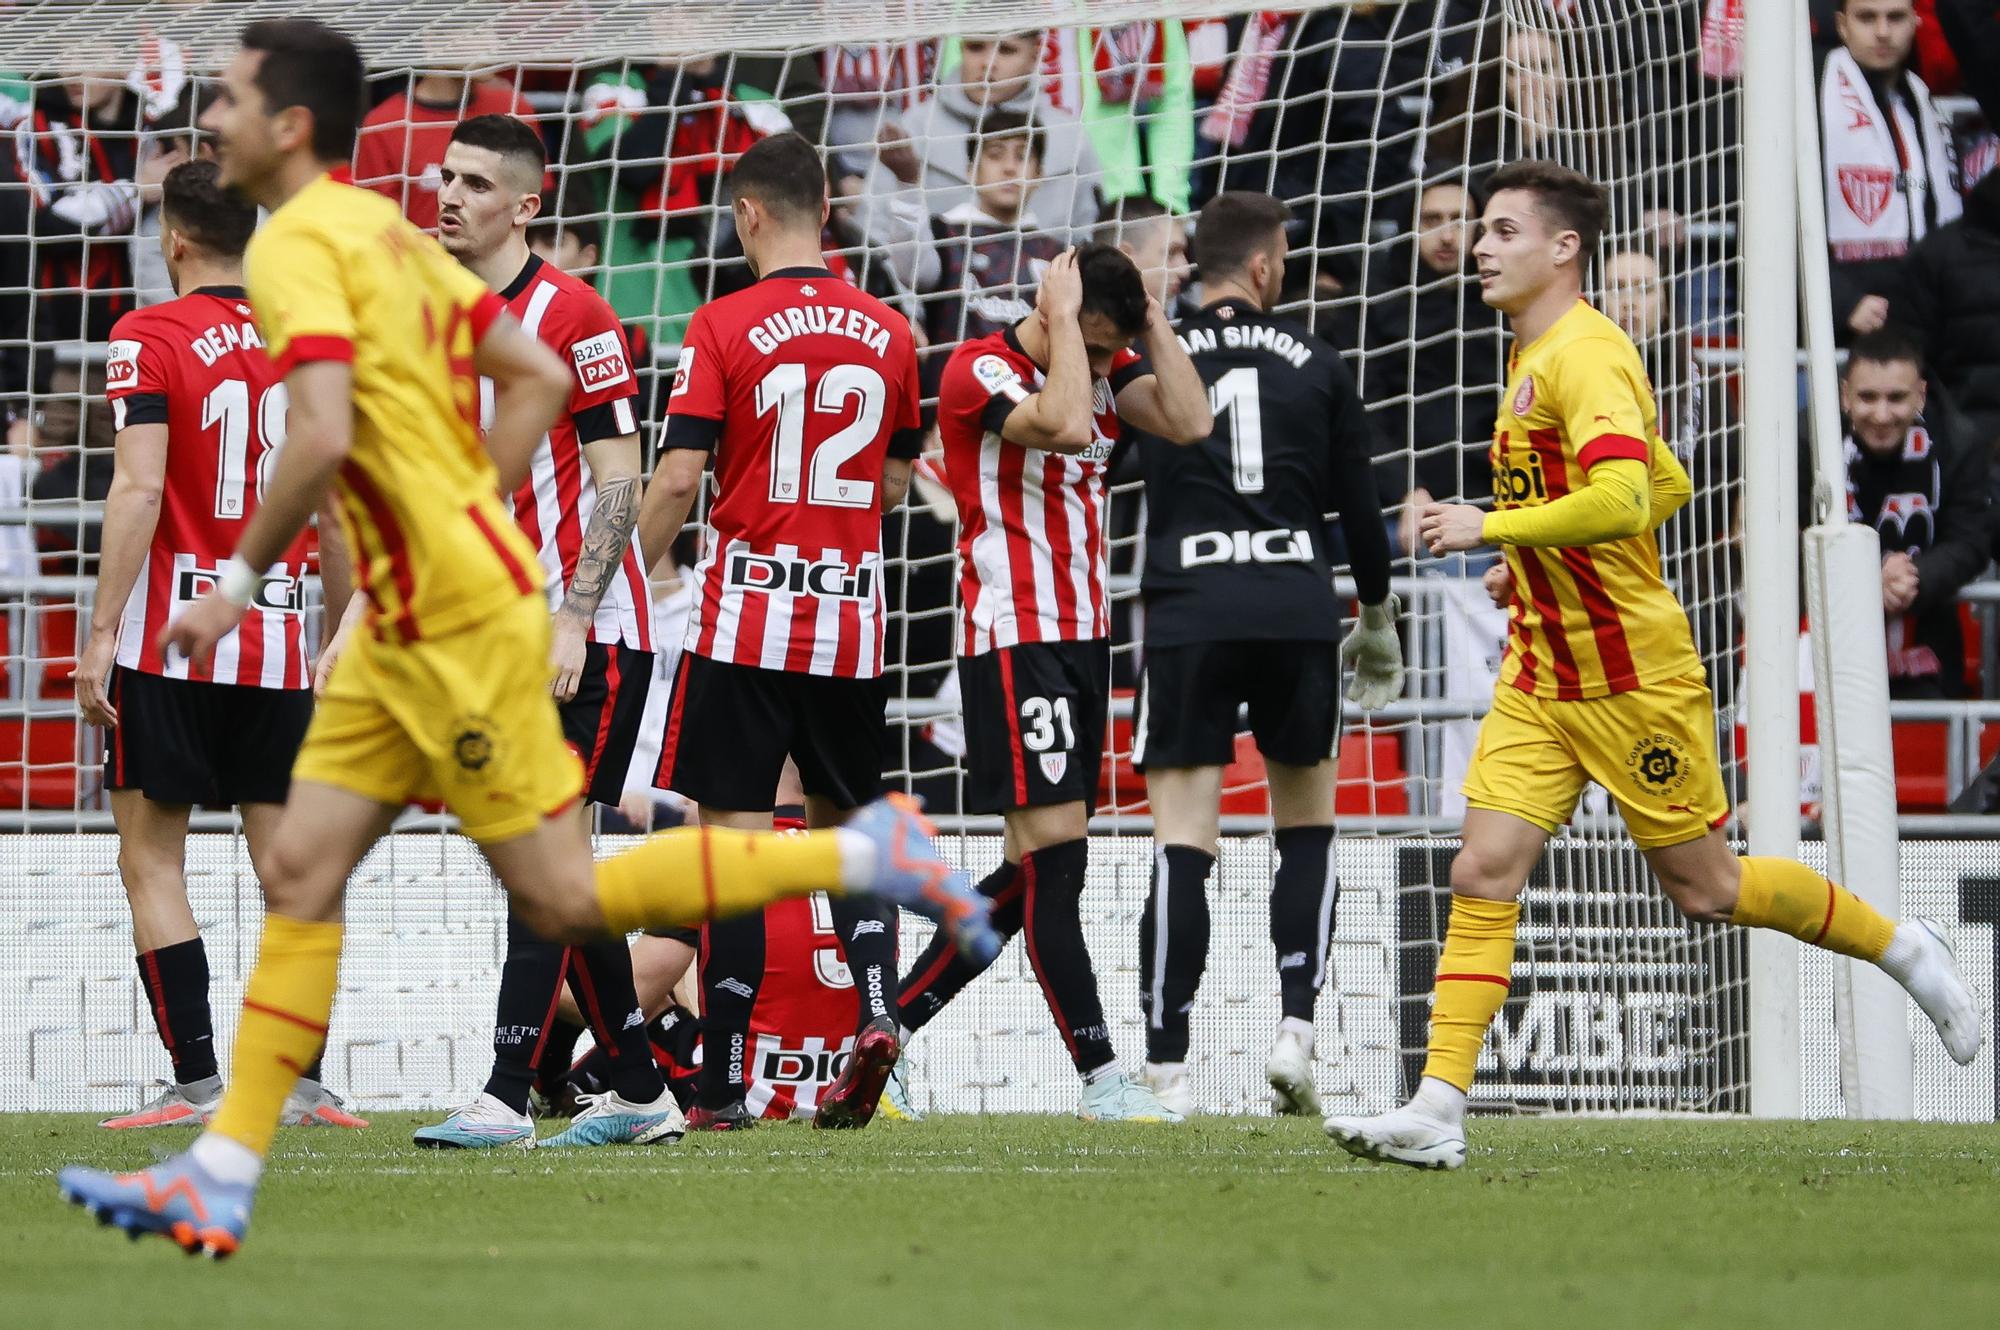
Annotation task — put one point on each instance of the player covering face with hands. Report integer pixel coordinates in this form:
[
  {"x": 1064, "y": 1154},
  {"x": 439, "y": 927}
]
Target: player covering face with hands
[
  {"x": 1601, "y": 680},
  {"x": 443, "y": 691}
]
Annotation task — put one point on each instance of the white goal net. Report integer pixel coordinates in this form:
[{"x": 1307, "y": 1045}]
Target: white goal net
[{"x": 1376, "y": 122}]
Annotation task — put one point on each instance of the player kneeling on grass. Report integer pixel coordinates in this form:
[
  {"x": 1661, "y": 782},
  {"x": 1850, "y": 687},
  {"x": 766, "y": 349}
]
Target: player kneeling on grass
[
  {"x": 178, "y": 732},
  {"x": 443, "y": 691},
  {"x": 1601, "y": 680},
  {"x": 1240, "y": 612}
]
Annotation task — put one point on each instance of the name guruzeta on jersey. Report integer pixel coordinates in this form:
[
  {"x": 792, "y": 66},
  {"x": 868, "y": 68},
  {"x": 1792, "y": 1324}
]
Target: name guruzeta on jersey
[{"x": 801, "y": 320}]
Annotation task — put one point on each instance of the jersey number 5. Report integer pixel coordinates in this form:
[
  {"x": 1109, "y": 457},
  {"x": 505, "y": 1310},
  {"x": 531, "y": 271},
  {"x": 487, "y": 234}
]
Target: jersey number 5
[
  {"x": 1236, "y": 394},
  {"x": 784, "y": 390},
  {"x": 228, "y": 405}
]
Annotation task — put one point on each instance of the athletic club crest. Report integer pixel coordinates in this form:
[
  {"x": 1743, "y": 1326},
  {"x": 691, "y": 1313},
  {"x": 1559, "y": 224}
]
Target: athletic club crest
[
  {"x": 1524, "y": 396},
  {"x": 1866, "y": 190},
  {"x": 1053, "y": 766}
]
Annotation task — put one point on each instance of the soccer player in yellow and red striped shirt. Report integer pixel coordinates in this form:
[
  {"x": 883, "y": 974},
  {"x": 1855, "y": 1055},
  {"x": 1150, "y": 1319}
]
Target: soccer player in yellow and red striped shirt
[
  {"x": 1601, "y": 681},
  {"x": 443, "y": 692}
]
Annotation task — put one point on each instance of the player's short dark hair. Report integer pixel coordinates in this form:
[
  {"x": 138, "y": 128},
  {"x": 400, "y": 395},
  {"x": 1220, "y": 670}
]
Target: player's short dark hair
[
  {"x": 1570, "y": 198},
  {"x": 1112, "y": 287},
  {"x": 308, "y": 64},
  {"x": 1235, "y": 225},
  {"x": 194, "y": 203},
  {"x": 1889, "y": 344},
  {"x": 549, "y": 229},
  {"x": 997, "y": 124},
  {"x": 785, "y": 174},
  {"x": 513, "y": 139},
  {"x": 1116, "y": 216}
]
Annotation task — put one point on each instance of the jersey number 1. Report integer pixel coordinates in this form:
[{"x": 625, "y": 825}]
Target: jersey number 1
[
  {"x": 1236, "y": 393},
  {"x": 228, "y": 405},
  {"x": 784, "y": 390}
]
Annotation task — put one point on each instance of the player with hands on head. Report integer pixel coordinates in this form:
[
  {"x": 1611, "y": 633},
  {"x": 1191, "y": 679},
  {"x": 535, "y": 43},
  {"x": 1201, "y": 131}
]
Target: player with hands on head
[
  {"x": 442, "y": 693},
  {"x": 196, "y": 433},
  {"x": 1600, "y": 681},
  {"x": 1029, "y": 417},
  {"x": 1241, "y": 613}
]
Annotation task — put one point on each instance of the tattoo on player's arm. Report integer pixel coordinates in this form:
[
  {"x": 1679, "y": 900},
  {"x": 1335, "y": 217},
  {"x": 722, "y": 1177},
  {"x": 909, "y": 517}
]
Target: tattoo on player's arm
[{"x": 605, "y": 539}]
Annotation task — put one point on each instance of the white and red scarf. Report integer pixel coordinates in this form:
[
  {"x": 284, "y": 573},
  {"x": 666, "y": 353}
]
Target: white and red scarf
[{"x": 1889, "y": 173}]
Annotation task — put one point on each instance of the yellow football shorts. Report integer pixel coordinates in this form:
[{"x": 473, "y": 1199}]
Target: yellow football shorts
[
  {"x": 465, "y": 721},
  {"x": 1653, "y": 748}
]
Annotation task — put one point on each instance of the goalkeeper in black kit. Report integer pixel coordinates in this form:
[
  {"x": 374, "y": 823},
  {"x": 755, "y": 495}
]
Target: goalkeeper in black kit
[{"x": 1241, "y": 613}]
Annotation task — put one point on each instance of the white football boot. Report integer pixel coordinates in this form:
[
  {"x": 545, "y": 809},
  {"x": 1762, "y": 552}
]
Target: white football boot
[
  {"x": 1290, "y": 1070},
  {"x": 1170, "y": 1085},
  {"x": 1427, "y": 1132},
  {"x": 1920, "y": 959}
]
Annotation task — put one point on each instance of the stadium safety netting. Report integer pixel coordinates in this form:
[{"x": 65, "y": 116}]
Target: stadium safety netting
[{"x": 1376, "y": 122}]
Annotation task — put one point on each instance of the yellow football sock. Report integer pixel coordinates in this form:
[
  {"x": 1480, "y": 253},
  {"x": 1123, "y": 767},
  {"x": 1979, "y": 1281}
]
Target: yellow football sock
[
  {"x": 697, "y": 874},
  {"x": 285, "y": 1009},
  {"x": 1788, "y": 896},
  {"x": 1474, "y": 971}
]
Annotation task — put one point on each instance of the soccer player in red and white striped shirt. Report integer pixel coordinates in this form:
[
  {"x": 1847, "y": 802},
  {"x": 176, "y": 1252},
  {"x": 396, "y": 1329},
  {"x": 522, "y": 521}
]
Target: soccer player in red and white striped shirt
[
  {"x": 805, "y": 391},
  {"x": 1029, "y": 417},
  {"x": 200, "y": 411},
  {"x": 579, "y": 505}
]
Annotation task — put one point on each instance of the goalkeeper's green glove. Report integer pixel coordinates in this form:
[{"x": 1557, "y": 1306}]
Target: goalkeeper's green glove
[{"x": 1375, "y": 655}]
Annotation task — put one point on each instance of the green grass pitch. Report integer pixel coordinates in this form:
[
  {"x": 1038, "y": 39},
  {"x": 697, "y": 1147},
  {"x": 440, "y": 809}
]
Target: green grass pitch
[{"x": 1040, "y": 1222}]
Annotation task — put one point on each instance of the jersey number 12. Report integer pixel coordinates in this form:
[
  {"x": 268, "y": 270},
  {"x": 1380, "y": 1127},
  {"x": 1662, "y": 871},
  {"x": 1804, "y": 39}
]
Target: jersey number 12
[{"x": 784, "y": 390}]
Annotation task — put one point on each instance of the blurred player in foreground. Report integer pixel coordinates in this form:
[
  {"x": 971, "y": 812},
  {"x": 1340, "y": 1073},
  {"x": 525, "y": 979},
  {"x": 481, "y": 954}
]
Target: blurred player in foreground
[
  {"x": 1601, "y": 680},
  {"x": 1240, "y": 612},
  {"x": 200, "y": 410},
  {"x": 444, "y": 690},
  {"x": 579, "y": 505}
]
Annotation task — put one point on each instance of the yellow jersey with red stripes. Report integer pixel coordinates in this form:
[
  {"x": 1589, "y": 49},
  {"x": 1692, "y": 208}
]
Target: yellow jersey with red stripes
[
  {"x": 339, "y": 274},
  {"x": 1587, "y": 621}
]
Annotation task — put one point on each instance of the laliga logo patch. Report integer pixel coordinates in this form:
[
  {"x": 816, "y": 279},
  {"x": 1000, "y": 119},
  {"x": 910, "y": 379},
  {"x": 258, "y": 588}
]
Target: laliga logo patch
[
  {"x": 1053, "y": 766},
  {"x": 1524, "y": 396},
  {"x": 997, "y": 376},
  {"x": 1659, "y": 764}
]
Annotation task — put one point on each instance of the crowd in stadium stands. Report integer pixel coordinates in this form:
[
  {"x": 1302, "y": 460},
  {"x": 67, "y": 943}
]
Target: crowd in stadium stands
[{"x": 959, "y": 167}]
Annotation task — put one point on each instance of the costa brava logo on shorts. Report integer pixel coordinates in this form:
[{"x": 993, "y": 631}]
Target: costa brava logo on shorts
[
  {"x": 1660, "y": 764},
  {"x": 475, "y": 744}
]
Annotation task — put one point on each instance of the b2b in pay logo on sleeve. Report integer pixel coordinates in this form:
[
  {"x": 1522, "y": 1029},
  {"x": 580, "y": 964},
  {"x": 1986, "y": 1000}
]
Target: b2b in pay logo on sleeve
[{"x": 600, "y": 362}]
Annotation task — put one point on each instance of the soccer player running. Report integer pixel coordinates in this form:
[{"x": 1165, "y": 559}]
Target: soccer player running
[
  {"x": 1029, "y": 416},
  {"x": 805, "y": 391},
  {"x": 1240, "y": 611},
  {"x": 200, "y": 411},
  {"x": 443, "y": 692},
  {"x": 1600, "y": 681},
  {"x": 578, "y": 505}
]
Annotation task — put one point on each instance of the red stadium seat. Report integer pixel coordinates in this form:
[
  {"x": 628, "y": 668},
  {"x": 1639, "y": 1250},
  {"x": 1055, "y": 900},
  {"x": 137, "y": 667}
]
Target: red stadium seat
[
  {"x": 1373, "y": 782},
  {"x": 1921, "y": 783},
  {"x": 38, "y": 764}
]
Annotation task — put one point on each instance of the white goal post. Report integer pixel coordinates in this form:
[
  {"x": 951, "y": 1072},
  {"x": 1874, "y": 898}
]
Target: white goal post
[{"x": 1366, "y": 118}]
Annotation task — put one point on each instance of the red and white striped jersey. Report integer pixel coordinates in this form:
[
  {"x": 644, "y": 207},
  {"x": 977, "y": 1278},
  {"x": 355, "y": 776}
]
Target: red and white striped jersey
[
  {"x": 1030, "y": 523},
  {"x": 197, "y": 365},
  {"x": 553, "y": 505},
  {"x": 803, "y": 386}
]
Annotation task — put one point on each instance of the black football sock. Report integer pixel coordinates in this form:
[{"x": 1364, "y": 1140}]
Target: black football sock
[
  {"x": 558, "y": 1055},
  {"x": 1051, "y": 904},
  {"x": 1173, "y": 947},
  {"x": 1303, "y": 896},
  {"x": 601, "y": 975},
  {"x": 531, "y": 982},
  {"x": 732, "y": 970},
  {"x": 867, "y": 933},
  {"x": 676, "y": 1040},
  {"x": 316, "y": 1069},
  {"x": 176, "y": 982},
  {"x": 942, "y": 972}
]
